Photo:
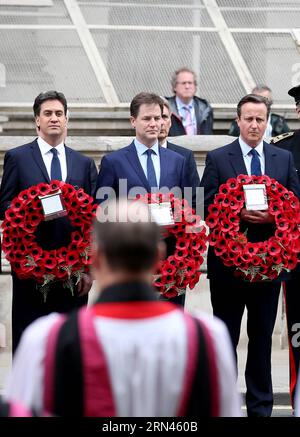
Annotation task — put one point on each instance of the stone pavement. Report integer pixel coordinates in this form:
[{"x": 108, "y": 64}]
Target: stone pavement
[{"x": 196, "y": 299}]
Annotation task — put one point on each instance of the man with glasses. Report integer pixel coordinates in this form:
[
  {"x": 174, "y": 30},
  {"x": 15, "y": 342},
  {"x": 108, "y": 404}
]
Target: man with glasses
[{"x": 191, "y": 115}]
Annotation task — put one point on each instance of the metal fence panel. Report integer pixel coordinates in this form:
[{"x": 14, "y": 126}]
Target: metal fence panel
[
  {"x": 147, "y": 14},
  {"x": 146, "y": 61},
  {"x": 55, "y": 14},
  {"x": 272, "y": 59},
  {"x": 39, "y": 60}
]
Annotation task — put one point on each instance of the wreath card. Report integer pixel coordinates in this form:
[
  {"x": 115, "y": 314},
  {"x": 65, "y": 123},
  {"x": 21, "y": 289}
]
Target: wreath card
[
  {"x": 255, "y": 197},
  {"x": 161, "y": 213},
  {"x": 53, "y": 206}
]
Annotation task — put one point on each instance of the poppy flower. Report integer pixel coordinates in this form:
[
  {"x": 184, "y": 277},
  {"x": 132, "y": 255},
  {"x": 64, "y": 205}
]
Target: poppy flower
[
  {"x": 251, "y": 248},
  {"x": 49, "y": 262},
  {"x": 235, "y": 247},
  {"x": 244, "y": 179},
  {"x": 168, "y": 269},
  {"x": 34, "y": 219},
  {"x": 170, "y": 294},
  {"x": 43, "y": 189},
  {"x": 55, "y": 185},
  {"x": 224, "y": 189},
  {"x": 226, "y": 225},
  {"x": 212, "y": 221},
  {"x": 214, "y": 209},
  {"x": 220, "y": 247},
  {"x": 72, "y": 257}
]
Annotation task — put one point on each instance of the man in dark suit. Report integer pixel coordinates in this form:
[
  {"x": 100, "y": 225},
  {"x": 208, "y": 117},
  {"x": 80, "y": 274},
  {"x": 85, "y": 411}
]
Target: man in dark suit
[
  {"x": 229, "y": 295},
  {"x": 194, "y": 180},
  {"x": 143, "y": 166},
  {"x": 291, "y": 141},
  {"x": 128, "y": 171},
  {"x": 191, "y": 115},
  {"x": 44, "y": 159}
]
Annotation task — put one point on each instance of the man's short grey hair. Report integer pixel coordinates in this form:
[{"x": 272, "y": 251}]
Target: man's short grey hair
[
  {"x": 261, "y": 88},
  {"x": 182, "y": 70}
]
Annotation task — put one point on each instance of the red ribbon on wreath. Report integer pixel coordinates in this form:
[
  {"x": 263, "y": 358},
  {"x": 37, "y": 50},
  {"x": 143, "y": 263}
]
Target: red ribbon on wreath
[
  {"x": 263, "y": 260},
  {"x": 182, "y": 268},
  {"x": 28, "y": 260}
]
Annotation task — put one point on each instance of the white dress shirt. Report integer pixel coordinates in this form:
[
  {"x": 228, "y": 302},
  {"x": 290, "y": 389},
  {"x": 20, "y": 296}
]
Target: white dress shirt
[
  {"x": 247, "y": 158},
  {"x": 141, "y": 149},
  {"x": 182, "y": 112},
  {"x": 47, "y": 156}
]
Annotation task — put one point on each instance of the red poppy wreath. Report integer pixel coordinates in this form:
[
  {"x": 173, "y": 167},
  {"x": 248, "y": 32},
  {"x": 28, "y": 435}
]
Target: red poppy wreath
[
  {"x": 28, "y": 260},
  {"x": 181, "y": 268},
  {"x": 263, "y": 260}
]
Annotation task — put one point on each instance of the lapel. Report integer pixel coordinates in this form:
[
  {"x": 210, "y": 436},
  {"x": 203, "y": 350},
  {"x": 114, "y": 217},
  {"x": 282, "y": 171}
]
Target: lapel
[
  {"x": 236, "y": 158},
  {"x": 163, "y": 167},
  {"x": 37, "y": 156},
  {"x": 70, "y": 162},
  {"x": 134, "y": 162},
  {"x": 270, "y": 161}
]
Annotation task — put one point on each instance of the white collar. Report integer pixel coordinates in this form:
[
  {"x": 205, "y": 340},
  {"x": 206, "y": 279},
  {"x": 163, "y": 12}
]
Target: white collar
[
  {"x": 45, "y": 147},
  {"x": 246, "y": 148},
  {"x": 141, "y": 148},
  {"x": 180, "y": 103}
]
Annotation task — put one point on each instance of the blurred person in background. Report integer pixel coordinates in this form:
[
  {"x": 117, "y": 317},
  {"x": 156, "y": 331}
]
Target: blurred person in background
[{"x": 191, "y": 115}]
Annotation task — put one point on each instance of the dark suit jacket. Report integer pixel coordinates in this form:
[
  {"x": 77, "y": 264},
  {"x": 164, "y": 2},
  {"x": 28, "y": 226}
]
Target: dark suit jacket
[
  {"x": 190, "y": 162},
  {"x": 204, "y": 117},
  {"x": 24, "y": 167},
  {"x": 192, "y": 171},
  {"x": 125, "y": 164},
  {"x": 227, "y": 162}
]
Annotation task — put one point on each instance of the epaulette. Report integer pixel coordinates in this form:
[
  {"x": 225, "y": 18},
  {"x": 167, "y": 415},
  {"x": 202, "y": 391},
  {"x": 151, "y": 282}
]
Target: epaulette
[{"x": 281, "y": 137}]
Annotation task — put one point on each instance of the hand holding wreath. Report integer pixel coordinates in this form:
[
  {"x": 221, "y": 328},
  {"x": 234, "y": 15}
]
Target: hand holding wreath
[
  {"x": 263, "y": 260},
  {"x": 182, "y": 268},
  {"x": 28, "y": 260}
]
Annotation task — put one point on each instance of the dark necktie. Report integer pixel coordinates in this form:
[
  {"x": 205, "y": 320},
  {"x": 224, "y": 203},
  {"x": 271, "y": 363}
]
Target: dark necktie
[
  {"x": 255, "y": 163},
  {"x": 55, "y": 171},
  {"x": 151, "y": 176}
]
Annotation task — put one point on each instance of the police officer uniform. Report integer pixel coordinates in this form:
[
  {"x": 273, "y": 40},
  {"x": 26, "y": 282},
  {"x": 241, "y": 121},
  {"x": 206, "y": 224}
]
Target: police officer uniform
[{"x": 291, "y": 141}]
